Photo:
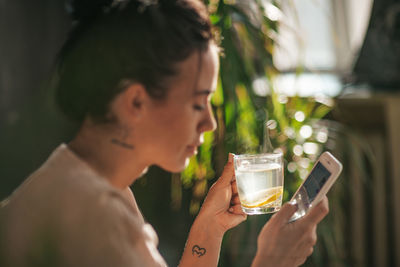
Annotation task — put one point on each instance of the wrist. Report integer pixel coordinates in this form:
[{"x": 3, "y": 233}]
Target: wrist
[
  {"x": 203, "y": 245},
  {"x": 206, "y": 225}
]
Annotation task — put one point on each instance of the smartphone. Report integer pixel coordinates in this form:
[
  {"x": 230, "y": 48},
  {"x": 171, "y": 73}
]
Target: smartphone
[{"x": 321, "y": 178}]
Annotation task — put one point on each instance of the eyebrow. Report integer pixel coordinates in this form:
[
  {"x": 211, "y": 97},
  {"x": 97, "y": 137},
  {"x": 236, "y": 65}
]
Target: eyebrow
[{"x": 204, "y": 92}]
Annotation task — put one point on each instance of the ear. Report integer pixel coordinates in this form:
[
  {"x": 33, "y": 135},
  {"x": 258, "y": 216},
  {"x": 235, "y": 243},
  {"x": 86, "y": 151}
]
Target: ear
[{"x": 129, "y": 104}]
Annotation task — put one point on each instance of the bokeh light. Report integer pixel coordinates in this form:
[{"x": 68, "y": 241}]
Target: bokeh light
[
  {"x": 322, "y": 135},
  {"x": 292, "y": 167},
  {"x": 299, "y": 116},
  {"x": 298, "y": 150},
  {"x": 310, "y": 148},
  {"x": 306, "y": 131},
  {"x": 272, "y": 124}
]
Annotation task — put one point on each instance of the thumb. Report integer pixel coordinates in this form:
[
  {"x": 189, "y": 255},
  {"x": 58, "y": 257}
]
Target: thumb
[
  {"x": 285, "y": 213},
  {"x": 228, "y": 173}
]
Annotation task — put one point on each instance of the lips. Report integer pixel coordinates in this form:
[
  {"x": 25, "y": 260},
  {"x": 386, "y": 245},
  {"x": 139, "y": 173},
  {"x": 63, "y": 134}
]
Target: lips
[{"x": 192, "y": 150}]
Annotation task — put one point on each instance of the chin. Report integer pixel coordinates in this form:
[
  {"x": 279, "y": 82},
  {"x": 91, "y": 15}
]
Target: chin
[{"x": 177, "y": 167}]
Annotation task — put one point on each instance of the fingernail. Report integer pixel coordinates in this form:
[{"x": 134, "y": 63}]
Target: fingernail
[
  {"x": 230, "y": 157},
  {"x": 230, "y": 209}
]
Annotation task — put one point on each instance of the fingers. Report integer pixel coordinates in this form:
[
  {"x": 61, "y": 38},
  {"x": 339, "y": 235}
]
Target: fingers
[
  {"x": 309, "y": 238},
  {"x": 236, "y": 209},
  {"x": 235, "y": 200},
  {"x": 235, "y": 195},
  {"x": 234, "y": 188},
  {"x": 307, "y": 244},
  {"x": 230, "y": 157},
  {"x": 313, "y": 238},
  {"x": 229, "y": 173},
  {"x": 285, "y": 213},
  {"x": 301, "y": 260},
  {"x": 317, "y": 213}
]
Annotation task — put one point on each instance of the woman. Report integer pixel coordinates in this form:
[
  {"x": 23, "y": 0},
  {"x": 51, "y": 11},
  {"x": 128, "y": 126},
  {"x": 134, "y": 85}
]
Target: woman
[{"x": 137, "y": 76}]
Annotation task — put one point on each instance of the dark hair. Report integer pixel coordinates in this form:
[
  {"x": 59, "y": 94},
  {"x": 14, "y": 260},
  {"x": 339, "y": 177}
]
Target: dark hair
[{"x": 120, "y": 41}]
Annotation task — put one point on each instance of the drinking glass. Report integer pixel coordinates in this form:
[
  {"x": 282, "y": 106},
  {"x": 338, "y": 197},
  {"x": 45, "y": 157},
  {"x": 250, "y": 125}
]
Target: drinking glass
[{"x": 259, "y": 179}]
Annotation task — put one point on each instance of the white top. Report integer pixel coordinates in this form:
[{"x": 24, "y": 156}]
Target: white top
[{"x": 65, "y": 214}]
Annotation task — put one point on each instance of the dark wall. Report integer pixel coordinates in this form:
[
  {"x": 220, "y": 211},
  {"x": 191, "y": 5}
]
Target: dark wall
[
  {"x": 31, "y": 33},
  {"x": 379, "y": 60}
]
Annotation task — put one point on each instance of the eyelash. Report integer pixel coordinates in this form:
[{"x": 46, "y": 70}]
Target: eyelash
[{"x": 199, "y": 107}]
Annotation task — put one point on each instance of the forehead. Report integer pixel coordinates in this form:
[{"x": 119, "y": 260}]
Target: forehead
[{"x": 197, "y": 72}]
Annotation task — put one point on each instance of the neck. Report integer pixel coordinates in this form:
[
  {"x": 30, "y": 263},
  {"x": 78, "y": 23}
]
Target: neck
[{"x": 110, "y": 156}]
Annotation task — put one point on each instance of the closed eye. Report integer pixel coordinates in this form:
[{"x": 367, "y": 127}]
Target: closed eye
[{"x": 199, "y": 107}]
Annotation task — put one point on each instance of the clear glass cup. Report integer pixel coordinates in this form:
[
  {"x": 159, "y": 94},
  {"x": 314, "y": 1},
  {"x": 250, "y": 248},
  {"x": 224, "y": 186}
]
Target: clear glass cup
[{"x": 259, "y": 179}]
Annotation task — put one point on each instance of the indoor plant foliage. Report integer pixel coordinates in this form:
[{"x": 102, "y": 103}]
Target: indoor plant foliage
[
  {"x": 245, "y": 31},
  {"x": 245, "y": 54},
  {"x": 246, "y": 35}
]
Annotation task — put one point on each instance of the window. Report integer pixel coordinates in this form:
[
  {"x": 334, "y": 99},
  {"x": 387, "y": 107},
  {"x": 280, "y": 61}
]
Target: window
[{"x": 324, "y": 38}]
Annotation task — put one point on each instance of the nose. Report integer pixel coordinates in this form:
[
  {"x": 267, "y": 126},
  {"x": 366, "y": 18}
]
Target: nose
[{"x": 208, "y": 123}]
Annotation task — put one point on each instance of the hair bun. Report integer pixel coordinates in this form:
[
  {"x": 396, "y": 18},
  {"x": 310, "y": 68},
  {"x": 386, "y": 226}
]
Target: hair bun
[{"x": 82, "y": 10}]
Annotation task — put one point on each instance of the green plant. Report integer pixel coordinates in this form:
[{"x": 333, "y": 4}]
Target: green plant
[
  {"x": 246, "y": 36},
  {"x": 246, "y": 55}
]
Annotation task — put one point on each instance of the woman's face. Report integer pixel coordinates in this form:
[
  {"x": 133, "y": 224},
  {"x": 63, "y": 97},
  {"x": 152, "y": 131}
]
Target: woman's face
[{"x": 174, "y": 127}]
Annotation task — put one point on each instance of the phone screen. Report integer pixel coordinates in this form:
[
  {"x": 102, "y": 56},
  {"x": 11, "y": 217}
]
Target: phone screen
[
  {"x": 316, "y": 181},
  {"x": 310, "y": 189}
]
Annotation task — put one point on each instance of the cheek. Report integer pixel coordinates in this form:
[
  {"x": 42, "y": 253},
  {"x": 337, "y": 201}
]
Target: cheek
[
  {"x": 178, "y": 127},
  {"x": 170, "y": 123},
  {"x": 182, "y": 128}
]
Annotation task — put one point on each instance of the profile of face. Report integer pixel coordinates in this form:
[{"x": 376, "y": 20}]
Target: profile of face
[
  {"x": 168, "y": 132},
  {"x": 148, "y": 97}
]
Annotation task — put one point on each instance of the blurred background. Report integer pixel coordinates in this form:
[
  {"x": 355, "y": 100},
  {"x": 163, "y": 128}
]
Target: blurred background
[{"x": 325, "y": 74}]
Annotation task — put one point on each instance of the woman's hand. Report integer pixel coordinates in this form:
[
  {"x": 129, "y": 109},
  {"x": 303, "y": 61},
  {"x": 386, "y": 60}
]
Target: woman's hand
[
  {"x": 283, "y": 244},
  {"x": 220, "y": 212},
  {"x": 221, "y": 208}
]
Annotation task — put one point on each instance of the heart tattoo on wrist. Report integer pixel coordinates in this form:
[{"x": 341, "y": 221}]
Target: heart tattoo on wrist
[{"x": 198, "y": 251}]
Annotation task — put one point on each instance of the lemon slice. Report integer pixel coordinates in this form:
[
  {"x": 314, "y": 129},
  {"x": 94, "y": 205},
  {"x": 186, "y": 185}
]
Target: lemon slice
[{"x": 266, "y": 197}]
